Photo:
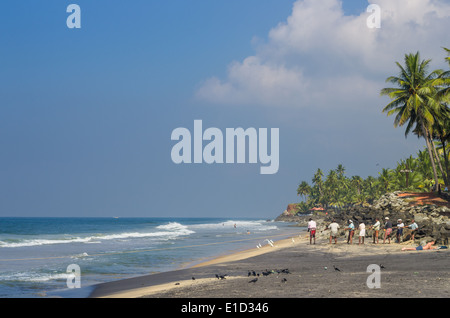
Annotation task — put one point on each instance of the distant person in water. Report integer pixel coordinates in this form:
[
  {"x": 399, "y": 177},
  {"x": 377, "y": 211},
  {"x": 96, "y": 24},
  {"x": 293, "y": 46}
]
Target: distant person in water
[
  {"x": 421, "y": 248},
  {"x": 312, "y": 230}
]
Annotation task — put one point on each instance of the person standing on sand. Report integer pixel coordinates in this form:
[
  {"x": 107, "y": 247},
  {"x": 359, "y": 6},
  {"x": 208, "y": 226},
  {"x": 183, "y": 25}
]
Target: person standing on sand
[
  {"x": 362, "y": 232},
  {"x": 312, "y": 230},
  {"x": 400, "y": 227},
  {"x": 334, "y": 227},
  {"x": 413, "y": 226},
  {"x": 351, "y": 231},
  {"x": 387, "y": 230},
  {"x": 376, "y": 230}
]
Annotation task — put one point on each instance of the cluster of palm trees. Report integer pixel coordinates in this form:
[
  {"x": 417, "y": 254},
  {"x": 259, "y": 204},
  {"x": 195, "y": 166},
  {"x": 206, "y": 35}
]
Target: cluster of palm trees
[{"x": 420, "y": 100}]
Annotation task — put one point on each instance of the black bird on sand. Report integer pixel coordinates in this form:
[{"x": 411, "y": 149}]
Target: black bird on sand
[
  {"x": 253, "y": 280},
  {"x": 336, "y": 269}
]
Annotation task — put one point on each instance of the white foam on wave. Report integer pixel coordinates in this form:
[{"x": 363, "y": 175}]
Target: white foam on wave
[
  {"x": 258, "y": 225},
  {"x": 34, "y": 277},
  {"x": 168, "y": 231}
]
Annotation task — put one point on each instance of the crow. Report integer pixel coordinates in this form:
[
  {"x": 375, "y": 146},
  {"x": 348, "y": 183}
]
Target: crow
[
  {"x": 284, "y": 280},
  {"x": 193, "y": 278},
  {"x": 381, "y": 266},
  {"x": 336, "y": 269},
  {"x": 253, "y": 280},
  {"x": 220, "y": 276}
]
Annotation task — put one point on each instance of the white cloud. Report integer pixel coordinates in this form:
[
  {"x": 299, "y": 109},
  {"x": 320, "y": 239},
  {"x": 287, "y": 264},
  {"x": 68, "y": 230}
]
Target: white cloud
[{"x": 320, "y": 55}]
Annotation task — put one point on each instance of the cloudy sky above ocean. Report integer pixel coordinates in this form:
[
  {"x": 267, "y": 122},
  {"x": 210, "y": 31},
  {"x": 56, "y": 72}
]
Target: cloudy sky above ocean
[{"x": 86, "y": 115}]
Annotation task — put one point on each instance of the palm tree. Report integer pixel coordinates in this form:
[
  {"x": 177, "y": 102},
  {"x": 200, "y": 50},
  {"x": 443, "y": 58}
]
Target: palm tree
[
  {"x": 414, "y": 99},
  {"x": 385, "y": 179},
  {"x": 317, "y": 180},
  {"x": 442, "y": 126},
  {"x": 357, "y": 182},
  {"x": 304, "y": 189},
  {"x": 444, "y": 81},
  {"x": 340, "y": 170}
]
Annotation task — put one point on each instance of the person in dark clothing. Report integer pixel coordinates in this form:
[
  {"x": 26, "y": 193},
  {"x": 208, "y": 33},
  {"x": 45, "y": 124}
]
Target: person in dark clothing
[{"x": 387, "y": 230}]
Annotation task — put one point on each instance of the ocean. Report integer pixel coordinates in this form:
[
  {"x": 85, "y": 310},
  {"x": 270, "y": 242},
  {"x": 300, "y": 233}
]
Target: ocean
[{"x": 37, "y": 255}]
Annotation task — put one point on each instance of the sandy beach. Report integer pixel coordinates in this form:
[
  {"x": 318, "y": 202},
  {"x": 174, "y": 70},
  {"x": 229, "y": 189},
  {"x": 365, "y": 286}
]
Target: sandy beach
[{"x": 293, "y": 268}]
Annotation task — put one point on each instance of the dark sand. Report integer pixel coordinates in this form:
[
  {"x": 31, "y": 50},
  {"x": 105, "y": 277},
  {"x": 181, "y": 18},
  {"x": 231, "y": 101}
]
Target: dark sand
[{"x": 407, "y": 274}]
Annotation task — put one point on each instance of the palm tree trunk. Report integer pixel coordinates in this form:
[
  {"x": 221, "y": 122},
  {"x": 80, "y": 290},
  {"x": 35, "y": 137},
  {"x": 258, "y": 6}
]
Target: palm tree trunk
[
  {"x": 444, "y": 177},
  {"x": 425, "y": 134},
  {"x": 447, "y": 181}
]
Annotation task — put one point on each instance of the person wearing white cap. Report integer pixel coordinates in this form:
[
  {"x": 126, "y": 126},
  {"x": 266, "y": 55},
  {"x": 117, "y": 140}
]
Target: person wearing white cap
[
  {"x": 351, "y": 231},
  {"x": 400, "y": 227},
  {"x": 387, "y": 230}
]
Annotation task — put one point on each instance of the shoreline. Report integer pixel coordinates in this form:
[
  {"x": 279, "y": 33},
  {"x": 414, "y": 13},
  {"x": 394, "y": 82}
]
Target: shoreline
[
  {"x": 131, "y": 288},
  {"x": 311, "y": 273}
]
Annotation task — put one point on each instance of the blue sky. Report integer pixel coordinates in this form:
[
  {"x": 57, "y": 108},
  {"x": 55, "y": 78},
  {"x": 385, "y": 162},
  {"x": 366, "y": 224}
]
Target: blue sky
[{"x": 86, "y": 114}]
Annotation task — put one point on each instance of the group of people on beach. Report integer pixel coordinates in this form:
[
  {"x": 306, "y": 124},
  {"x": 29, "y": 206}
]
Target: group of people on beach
[{"x": 388, "y": 230}]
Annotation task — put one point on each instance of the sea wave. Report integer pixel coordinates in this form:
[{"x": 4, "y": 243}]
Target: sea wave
[
  {"x": 258, "y": 225},
  {"x": 168, "y": 231},
  {"x": 34, "y": 277}
]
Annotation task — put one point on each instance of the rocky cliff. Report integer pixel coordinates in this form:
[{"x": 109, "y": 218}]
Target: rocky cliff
[{"x": 429, "y": 211}]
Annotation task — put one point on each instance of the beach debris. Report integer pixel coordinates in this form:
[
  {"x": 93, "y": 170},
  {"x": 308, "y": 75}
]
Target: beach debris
[
  {"x": 253, "y": 280},
  {"x": 325, "y": 268},
  {"x": 336, "y": 269}
]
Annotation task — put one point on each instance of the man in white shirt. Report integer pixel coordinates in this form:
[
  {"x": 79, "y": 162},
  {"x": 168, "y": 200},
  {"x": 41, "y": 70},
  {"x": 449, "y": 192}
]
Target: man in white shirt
[
  {"x": 413, "y": 226},
  {"x": 312, "y": 230},
  {"x": 362, "y": 232},
  {"x": 400, "y": 227},
  {"x": 376, "y": 229},
  {"x": 334, "y": 227}
]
